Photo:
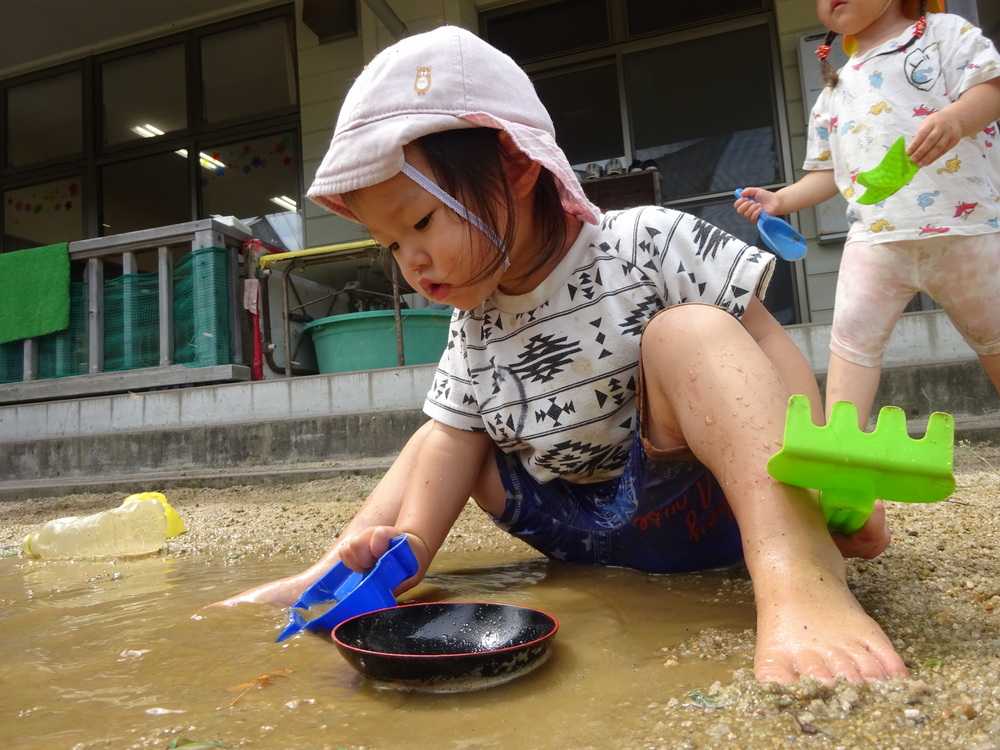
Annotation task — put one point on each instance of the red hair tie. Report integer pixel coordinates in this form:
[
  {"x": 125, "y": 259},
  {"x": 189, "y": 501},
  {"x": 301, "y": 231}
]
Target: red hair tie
[
  {"x": 823, "y": 51},
  {"x": 920, "y": 27}
]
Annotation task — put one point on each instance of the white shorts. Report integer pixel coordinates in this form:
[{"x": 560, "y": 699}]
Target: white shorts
[{"x": 876, "y": 282}]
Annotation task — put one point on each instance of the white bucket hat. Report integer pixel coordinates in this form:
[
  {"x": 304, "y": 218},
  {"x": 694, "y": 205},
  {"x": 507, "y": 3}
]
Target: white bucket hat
[{"x": 444, "y": 79}]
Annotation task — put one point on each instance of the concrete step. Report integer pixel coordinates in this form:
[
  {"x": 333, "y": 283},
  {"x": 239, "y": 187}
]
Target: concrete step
[{"x": 227, "y": 449}]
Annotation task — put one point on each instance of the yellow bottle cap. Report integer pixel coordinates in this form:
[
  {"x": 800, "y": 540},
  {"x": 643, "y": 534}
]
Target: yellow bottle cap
[
  {"x": 175, "y": 524},
  {"x": 27, "y": 543}
]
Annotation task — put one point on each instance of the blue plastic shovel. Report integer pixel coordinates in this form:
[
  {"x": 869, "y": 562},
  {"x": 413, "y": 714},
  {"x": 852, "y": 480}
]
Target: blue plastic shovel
[
  {"x": 778, "y": 234},
  {"x": 355, "y": 593}
]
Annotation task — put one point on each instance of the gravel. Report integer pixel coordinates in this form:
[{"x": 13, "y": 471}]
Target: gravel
[{"x": 935, "y": 591}]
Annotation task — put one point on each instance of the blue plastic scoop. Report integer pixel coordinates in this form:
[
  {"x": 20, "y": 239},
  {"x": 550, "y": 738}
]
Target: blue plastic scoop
[
  {"x": 778, "y": 234},
  {"x": 355, "y": 593}
]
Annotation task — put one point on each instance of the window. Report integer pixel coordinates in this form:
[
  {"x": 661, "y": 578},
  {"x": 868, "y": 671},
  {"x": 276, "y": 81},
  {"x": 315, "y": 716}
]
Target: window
[
  {"x": 645, "y": 17},
  {"x": 251, "y": 177},
  {"x": 45, "y": 120},
  {"x": 550, "y": 29},
  {"x": 124, "y": 140},
  {"x": 248, "y": 71},
  {"x": 661, "y": 92},
  {"x": 144, "y": 94},
  {"x": 709, "y": 128},
  {"x": 42, "y": 214},
  {"x": 587, "y": 128},
  {"x": 141, "y": 193}
]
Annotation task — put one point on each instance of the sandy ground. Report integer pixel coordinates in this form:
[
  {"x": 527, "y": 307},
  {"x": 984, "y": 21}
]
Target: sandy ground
[{"x": 935, "y": 591}]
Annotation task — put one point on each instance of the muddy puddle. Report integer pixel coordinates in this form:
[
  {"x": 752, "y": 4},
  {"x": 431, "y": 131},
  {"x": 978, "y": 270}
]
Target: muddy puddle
[{"x": 124, "y": 655}]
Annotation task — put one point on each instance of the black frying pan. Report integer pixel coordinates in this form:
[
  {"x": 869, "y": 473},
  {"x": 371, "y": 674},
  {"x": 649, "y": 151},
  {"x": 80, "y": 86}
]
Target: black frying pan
[{"x": 447, "y": 646}]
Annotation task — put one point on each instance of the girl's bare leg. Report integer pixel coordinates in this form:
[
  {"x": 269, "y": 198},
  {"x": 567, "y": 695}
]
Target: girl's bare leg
[
  {"x": 847, "y": 381},
  {"x": 381, "y": 508},
  {"x": 710, "y": 386}
]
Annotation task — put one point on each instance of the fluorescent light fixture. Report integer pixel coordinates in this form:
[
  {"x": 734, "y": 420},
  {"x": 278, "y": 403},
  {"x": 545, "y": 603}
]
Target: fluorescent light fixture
[
  {"x": 147, "y": 130},
  {"x": 208, "y": 162},
  {"x": 285, "y": 202}
]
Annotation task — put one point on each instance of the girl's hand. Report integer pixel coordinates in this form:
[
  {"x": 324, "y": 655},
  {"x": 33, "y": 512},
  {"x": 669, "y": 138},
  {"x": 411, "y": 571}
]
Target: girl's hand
[
  {"x": 937, "y": 134},
  {"x": 361, "y": 552},
  {"x": 754, "y": 200}
]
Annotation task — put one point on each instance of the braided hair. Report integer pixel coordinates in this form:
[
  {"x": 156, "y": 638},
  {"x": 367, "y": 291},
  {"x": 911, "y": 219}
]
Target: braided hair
[{"x": 823, "y": 51}]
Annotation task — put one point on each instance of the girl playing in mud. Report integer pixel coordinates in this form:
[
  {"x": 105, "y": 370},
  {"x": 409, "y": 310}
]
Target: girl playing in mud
[
  {"x": 544, "y": 409},
  {"x": 934, "y": 79}
]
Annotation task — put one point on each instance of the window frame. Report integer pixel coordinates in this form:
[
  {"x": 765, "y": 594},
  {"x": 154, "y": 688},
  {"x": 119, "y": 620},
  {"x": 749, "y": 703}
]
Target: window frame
[
  {"x": 558, "y": 66},
  {"x": 86, "y": 166}
]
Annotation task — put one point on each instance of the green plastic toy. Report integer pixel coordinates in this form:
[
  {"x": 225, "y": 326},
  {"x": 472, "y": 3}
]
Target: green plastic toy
[
  {"x": 851, "y": 468},
  {"x": 893, "y": 173}
]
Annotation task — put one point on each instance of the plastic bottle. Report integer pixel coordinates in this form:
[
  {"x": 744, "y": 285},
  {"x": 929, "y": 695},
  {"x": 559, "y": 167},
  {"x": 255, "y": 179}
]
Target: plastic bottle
[{"x": 139, "y": 526}]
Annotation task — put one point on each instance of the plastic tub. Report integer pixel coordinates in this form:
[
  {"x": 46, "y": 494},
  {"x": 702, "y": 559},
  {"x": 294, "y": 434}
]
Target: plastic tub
[{"x": 367, "y": 340}]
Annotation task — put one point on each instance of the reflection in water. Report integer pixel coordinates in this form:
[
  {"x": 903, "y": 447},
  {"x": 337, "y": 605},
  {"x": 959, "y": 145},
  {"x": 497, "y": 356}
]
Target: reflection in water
[{"x": 124, "y": 654}]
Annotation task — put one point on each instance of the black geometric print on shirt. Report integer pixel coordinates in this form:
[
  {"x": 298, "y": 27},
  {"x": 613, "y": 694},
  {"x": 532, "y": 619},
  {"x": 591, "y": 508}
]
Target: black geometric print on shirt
[
  {"x": 553, "y": 412},
  {"x": 504, "y": 430},
  {"x": 650, "y": 246},
  {"x": 585, "y": 285},
  {"x": 545, "y": 356},
  {"x": 514, "y": 414},
  {"x": 709, "y": 238},
  {"x": 441, "y": 387},
  {"x": 600, "y": 338},
  {"x": 614, "y": 394},
  {"x": 581, "y": 459},
  {"x": 489, "y": 323},
  {"x": 634, "y": 321},
  {"x": 681, "y": 271}
]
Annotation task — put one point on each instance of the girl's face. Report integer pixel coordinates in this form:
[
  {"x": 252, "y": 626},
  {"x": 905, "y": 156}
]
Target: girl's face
[
  {"x": 857, "y": 16},
  {"x": 439, "y": 254}
]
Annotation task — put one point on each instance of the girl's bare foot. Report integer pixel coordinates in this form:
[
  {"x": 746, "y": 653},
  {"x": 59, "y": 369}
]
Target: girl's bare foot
[
  {"x": 870, "y": 540},
  {"x": 816, "y": 628}
]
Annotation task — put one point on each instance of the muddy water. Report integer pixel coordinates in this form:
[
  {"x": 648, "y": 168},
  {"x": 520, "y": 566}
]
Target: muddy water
[{"x": 123, "y": 655}]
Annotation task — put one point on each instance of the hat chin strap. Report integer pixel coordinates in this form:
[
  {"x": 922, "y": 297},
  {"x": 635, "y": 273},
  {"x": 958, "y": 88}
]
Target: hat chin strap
[{"x": 458, "y": 208}]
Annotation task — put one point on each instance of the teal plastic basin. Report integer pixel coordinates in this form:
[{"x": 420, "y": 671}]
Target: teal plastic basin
[{"x": 367, "y": 340}]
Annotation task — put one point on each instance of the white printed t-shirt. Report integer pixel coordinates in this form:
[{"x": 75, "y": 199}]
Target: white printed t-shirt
[
  {"x": 552, "y": 374},
  {"x": 882, "y": 96}
]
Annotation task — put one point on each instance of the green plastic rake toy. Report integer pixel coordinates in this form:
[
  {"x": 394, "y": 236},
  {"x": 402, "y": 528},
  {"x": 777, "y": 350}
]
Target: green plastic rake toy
[{"x": 851, "y": 468}]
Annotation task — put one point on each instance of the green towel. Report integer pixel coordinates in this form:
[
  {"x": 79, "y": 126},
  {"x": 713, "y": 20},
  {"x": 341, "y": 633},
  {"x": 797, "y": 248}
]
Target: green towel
[{"x": 34, "y": 292}]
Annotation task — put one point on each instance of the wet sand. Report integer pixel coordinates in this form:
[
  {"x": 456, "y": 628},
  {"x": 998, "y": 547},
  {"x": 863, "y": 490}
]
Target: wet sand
[{"x": 935, "y": 591}]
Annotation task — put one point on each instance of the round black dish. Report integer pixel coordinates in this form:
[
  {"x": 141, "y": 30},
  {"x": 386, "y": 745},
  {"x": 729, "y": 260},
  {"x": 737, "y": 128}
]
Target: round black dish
[{"x": 447, "y": 646}]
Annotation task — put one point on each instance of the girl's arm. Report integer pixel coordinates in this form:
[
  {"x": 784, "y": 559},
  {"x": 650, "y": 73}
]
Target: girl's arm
[
  {"x": 974, "y": 110},
  {"x": 811, "y": 190},
  {"x": 439, "y": 485},
  {"x": 778, "y": 346}
]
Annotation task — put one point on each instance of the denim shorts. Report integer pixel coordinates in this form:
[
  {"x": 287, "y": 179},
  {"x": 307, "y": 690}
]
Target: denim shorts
[{"x": 660, "y": 516}]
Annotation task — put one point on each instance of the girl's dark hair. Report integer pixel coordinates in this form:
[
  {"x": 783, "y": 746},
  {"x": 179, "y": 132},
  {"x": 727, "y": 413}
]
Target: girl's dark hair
[
  {"x": 470, "y": 164},
  {"x": 826, "y": 69}
]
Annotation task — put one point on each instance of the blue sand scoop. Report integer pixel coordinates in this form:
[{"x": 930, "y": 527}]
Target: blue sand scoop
[
  {"x": 355, "y": 593},
  {"x": 778, "y": 234}
]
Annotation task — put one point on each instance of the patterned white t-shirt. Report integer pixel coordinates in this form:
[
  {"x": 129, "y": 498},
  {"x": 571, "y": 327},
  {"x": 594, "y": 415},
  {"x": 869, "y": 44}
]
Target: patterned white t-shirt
[
  {"x": 880, "y": 97},
  {"x": 552, "y": 374}
]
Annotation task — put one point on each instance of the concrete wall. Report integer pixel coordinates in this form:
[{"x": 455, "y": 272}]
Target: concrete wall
[
  {"x": 267, "y": 429},
  {"x": 302, "y": 398},
  {"x": 919, "y": 341}
]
